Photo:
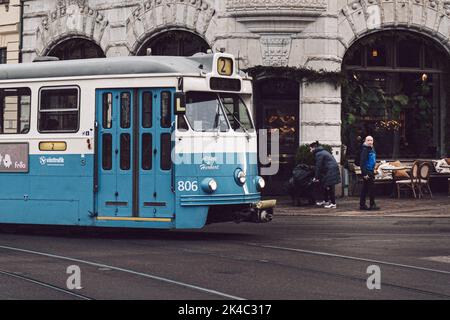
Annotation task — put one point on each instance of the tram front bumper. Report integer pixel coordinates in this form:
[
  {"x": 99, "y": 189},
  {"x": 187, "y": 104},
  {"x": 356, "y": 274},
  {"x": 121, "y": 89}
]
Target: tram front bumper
[{"x": 262, "y": 211}]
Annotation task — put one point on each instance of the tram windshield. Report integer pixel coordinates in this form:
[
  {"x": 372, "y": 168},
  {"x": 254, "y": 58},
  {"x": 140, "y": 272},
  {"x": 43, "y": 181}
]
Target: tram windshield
[
  {"x": 237, "y": 112},
  {"x": 205, "y": 112}
]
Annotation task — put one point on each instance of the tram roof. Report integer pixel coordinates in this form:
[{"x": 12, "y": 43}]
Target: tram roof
[{"x": 108, "y": 66}]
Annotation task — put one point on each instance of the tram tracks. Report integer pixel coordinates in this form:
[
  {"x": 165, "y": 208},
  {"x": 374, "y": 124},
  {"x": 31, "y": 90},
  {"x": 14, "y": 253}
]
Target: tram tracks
[
  {"x": 330, "y": 273},
  {"x": 273, "y": 262},
  {"x": 44, "y": 284},
  {"x": 123, "y": 270}
]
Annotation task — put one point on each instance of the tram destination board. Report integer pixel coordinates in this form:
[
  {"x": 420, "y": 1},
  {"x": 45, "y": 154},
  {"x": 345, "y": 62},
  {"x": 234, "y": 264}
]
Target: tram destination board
[
  {"x": 14, "y": 157},
  {"x": 225, "y": 84}
]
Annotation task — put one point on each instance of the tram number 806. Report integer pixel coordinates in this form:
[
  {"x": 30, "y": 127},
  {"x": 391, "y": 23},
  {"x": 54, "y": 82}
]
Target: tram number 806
[{"x": 187, "y": 186}]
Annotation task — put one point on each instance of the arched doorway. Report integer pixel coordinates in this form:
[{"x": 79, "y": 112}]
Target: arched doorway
[
  {"x": 76, "y": 48},
  {"x": 396, "y": 91},
  {"x": 277, "y": 108},
  {"x": 174, "y": 43}
]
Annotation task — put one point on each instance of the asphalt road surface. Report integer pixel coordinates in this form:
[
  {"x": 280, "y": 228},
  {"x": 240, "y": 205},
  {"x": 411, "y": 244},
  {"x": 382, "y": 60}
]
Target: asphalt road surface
[{"x": 289, "y": 258}]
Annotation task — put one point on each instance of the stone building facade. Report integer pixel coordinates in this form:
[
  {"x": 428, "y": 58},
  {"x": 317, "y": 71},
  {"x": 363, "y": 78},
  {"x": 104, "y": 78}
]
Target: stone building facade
[
  {"x": 314, "y": 34},
  {"x": 9, "y": 31}
]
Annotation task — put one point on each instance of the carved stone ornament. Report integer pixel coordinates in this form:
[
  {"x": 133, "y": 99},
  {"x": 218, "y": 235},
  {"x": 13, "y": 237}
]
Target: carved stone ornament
[
  {"x": 285, "y": 16},
  {"x": 69, "y": 17},
  {"x": 275, "y": 50}
]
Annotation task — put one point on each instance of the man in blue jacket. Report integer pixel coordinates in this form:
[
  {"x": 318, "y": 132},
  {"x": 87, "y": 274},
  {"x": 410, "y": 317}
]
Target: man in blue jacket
[{"x": 368, "y": 159}]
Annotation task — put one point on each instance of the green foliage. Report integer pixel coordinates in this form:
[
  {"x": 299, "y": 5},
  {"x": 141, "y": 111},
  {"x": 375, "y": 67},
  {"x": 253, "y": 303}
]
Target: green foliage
[
  {"x": 299, "y": 74},
  {"x": 361, "y": 100},
  {"x": 304, "y": 156}
]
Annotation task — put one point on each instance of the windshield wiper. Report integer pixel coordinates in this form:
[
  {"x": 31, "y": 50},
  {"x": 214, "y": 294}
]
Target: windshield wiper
[{"x": 240, "y": 124}]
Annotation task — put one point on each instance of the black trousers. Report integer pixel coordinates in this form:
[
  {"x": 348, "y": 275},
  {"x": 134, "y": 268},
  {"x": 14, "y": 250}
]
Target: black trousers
[
  {"x": 329, "y": 194},
  {"x": 367, "y": 190}
]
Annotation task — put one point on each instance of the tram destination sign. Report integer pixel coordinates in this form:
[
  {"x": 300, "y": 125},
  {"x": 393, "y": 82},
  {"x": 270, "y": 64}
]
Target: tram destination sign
[{"x": 14, "y": 157}]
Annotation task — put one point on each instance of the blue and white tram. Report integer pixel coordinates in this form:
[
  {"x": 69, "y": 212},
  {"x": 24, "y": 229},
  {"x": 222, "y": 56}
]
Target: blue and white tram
[{"x": 139, "y": 142}]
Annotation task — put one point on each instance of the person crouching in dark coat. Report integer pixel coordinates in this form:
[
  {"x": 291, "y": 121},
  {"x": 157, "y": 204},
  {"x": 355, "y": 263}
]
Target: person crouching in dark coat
[{"x": 326, "y": 173}]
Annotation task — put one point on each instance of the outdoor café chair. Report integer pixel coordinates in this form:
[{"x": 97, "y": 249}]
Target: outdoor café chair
[
  {"x": 411, "y": 183},
  {"x": 424, "y": 179}
]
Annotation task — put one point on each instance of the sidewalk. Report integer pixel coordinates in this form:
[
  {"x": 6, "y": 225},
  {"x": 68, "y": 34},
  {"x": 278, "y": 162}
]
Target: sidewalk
[{"x": 439, "y": 206}]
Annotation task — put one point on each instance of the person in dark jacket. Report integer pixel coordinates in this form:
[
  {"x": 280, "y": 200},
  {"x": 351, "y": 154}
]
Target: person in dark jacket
[
  {"x": 326, "y": 173},
  {"x": 368, "y": 159}
]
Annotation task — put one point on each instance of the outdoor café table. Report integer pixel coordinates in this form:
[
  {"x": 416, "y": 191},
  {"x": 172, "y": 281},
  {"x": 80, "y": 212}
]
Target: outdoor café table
[{"x": 391, "y": 170}]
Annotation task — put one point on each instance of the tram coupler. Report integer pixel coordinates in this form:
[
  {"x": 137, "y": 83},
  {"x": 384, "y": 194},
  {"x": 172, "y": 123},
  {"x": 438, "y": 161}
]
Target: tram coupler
[{"x": 262, "y": 211}]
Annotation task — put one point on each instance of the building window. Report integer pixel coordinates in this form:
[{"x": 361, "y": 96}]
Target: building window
[
  {"x": 395, "y": 92},
  {"x": 3, "y": 55},
  {"x": 77, "y": 48},
  {"x": 15, "y": 110},
  {"x": 59, "y": 109},
  {"x": 174, "y": 43}
]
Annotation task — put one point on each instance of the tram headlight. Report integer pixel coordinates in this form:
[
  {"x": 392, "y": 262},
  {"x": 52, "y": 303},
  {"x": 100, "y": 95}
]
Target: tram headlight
[
  {"x": 209, "y": 185},
  {"x": 260, "y": 183},
  {"x": 240, "y": 176}
]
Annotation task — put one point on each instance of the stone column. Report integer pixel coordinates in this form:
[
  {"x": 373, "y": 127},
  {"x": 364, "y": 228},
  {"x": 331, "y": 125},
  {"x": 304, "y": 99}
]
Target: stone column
[{"x": 320, "y": 115}]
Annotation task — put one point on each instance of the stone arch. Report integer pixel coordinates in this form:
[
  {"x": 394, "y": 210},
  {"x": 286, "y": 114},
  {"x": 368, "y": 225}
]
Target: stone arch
[
  {"x": 77, "y": 42},
  {"x": 399, "y": 61},
  {"x": 430, "y": 18},
  {"x": 70, "y": 19},
  {"x": 161, "y": 32},
  {"x": 154, "y": 16}
]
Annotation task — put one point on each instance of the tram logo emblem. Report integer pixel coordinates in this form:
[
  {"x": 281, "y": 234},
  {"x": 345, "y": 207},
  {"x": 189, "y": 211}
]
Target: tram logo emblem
[
  {"x": 209, "y": 163},
  {"x": 51, "y": 161},
  {"x": 14, "y": 157},
  {"x": 6, "y": 160}
]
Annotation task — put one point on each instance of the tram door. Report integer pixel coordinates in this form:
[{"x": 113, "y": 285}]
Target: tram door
[{"x": 134, "y": 177}]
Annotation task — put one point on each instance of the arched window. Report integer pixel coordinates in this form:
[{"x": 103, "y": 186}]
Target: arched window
[
  {"x": 77, "y": 48},
  {"x": 395, "y": 92},
  {"x": 174, "y": 43}
]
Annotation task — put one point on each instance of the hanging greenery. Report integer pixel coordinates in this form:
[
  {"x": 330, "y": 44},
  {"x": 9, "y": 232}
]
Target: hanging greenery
[
  {"x": 362, "y": 101},
  {"x": 301, "y": 74}
]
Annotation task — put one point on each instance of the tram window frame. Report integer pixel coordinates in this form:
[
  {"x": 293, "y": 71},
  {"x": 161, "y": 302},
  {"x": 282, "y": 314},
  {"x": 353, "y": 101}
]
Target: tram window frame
[
  {"x": 19, "y": 111},
  {"x": 165, "y": 159},
  {"x": 107, "y": 153},
  {"x": 77, "y": 110},
  {"x": 237, "y": 103},
  {"x": 125, "y": 151},
  {"x": 147, "y": 110},
  {"x": 182, "y": 124},
  {"x": 147, "y": 151},
  {"x": 192, "y": 125},
  {"x": 125, "y": 113},
  {"x": 168, "y": 115},
  {"x": 107, "y": 110}
]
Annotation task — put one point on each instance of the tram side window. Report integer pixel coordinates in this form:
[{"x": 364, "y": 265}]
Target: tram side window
[
  {"x": 147, "y": 109},
  {"x": 166, "y": 109},
  {"x": 107, "y": 110},
  {"x": 58, "y": 110},
  {"x": 15, "y": 106},
  {"x": 166, "y": 161},
  {"x": 125, "y": 110}
]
